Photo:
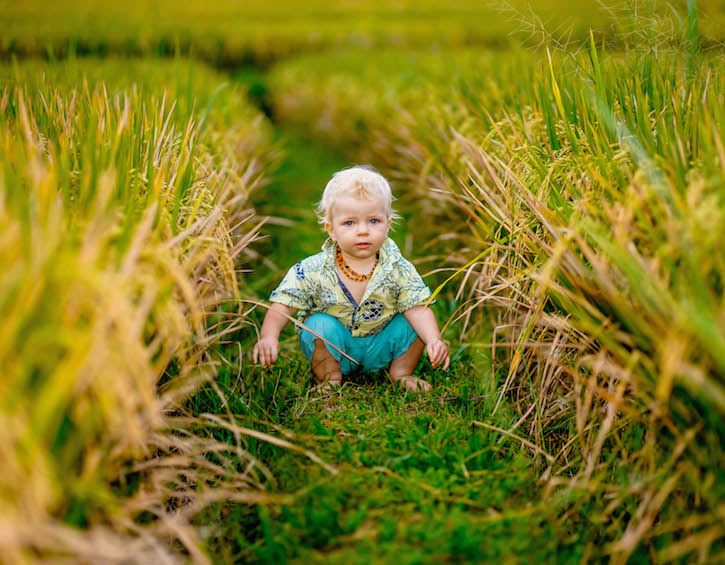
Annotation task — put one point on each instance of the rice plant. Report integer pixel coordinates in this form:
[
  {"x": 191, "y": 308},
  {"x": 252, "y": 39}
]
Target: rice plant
[
  {"x": 121, "y": 224},
  {"x": 613, "y": 194}
]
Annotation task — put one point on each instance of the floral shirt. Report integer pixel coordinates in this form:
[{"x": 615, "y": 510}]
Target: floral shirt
[{"x": 313, "y": 286}]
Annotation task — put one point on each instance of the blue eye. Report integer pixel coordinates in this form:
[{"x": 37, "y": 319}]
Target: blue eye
[
  {"x": 374, "y": 221},
  {"x": 348, "y": 223}
]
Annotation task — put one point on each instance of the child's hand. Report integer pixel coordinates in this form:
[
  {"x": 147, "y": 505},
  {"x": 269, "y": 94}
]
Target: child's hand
[
  {"x": 438, "y": 353},
  {"x": 266, "y": 351}
]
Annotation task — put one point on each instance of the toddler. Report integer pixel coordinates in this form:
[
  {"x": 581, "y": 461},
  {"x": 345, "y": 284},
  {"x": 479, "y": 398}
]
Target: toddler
[{"x": 359, "y": 293}]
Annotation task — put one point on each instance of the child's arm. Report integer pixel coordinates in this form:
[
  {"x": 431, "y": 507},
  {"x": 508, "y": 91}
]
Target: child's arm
[
  {"x": 267, "y": 348},
  {"x": 424, "y": 323}
]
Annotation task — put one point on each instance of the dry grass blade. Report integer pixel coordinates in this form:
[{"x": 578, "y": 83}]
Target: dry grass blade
[{"x": 524, "y": 441}]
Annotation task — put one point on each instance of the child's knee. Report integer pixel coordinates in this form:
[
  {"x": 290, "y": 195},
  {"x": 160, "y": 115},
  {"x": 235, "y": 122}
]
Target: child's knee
[
  {"x": 322, "y": 324},
  {"x": 400, "y": 323},
  {"x": 400, "y": 332}
]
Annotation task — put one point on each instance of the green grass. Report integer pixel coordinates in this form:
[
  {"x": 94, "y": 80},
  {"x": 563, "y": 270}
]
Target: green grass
[
  {"x": 415, "y": 481},
  {"x": 289, "y": 197}
]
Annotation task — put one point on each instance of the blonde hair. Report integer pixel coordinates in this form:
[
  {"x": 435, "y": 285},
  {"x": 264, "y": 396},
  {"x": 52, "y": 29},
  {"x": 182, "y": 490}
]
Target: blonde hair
[{"x": 361, "y": 181}]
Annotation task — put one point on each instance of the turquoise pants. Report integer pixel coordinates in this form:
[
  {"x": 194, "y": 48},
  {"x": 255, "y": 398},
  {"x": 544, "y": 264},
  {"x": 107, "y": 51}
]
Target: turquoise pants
[{"x": 371, "y": 352}]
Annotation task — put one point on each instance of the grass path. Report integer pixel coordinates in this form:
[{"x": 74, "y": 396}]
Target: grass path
[{"x": 406, "y": 479}]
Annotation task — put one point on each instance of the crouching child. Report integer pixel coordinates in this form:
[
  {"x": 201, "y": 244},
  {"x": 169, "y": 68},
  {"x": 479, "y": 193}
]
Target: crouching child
[{"x": 359, "y": 293}]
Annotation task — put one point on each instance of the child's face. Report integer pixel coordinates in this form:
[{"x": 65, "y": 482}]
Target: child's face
[{"x": 358, "y": 226}]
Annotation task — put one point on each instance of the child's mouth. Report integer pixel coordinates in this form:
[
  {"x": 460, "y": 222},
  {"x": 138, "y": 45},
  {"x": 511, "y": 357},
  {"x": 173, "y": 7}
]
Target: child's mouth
[{"x": 362, "y": 245}]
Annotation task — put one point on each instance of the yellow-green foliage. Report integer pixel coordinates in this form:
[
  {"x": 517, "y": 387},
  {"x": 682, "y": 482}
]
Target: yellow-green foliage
[
  {"x": 234, "y": 32},
  {"x": 120, "y": 220},
  {"x": 342, "y": 100},
  {"x": 591, "y": 188},
  {"x": 239, "y": 32}
]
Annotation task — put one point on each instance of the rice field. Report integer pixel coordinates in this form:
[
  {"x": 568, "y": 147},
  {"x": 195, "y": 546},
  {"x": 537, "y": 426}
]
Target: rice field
[
  {"x": 233, "y": 33},
  {"x": 236, "y": 33},
  {"x": 561, "y": 177}
]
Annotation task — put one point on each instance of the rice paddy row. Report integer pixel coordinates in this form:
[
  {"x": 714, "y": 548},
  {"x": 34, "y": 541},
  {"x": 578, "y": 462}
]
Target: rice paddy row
[
  {"x": 123, "y": 218},
  {"x": 230, "y": 34},
  {"x": 580, "y": 196}
]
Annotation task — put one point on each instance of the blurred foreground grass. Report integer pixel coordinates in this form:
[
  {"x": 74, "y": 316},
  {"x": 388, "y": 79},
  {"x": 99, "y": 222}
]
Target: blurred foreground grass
[{"x": 121, "y": 223}]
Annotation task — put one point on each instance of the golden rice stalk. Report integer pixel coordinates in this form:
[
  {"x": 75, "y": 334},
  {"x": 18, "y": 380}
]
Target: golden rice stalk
[{"x": 104, "y": 283}]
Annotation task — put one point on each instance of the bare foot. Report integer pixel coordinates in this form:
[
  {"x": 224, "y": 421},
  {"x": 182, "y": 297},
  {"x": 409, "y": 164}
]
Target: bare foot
[
  {"x": 326, "y": 386},
  {"x": 413, "y": 384}
]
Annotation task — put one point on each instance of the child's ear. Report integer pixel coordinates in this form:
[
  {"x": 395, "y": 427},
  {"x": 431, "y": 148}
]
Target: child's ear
[{"x": 328, "y": 227}]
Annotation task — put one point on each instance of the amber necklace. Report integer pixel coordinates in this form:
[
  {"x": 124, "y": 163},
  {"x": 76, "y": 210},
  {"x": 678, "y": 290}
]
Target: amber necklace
[{"x": 349, "y": 273}]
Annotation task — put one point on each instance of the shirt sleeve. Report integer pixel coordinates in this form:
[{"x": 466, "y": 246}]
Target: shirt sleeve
[
  {"x": 294, "y": 290},
  {"x": 413, "y": 290}
]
